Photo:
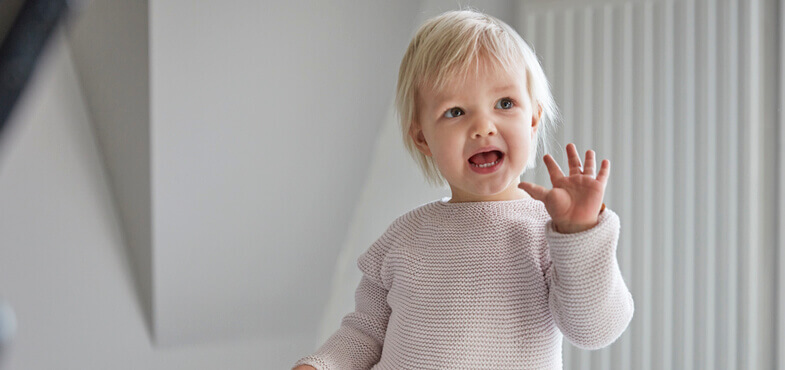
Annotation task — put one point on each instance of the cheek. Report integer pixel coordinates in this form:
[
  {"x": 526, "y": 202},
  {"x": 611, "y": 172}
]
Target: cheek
[
  {"x": 449, "y": 155},
  {"x": 522, "y": 141}
]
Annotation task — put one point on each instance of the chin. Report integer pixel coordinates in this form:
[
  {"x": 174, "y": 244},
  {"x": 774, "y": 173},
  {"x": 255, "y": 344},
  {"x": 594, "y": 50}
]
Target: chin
[{"x": 501, "y": 188}]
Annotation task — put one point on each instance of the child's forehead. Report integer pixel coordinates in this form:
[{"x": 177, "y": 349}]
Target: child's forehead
[{"x": 496, "y": 79}]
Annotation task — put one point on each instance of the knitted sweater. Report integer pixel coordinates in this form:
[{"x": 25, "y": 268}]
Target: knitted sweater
[{"x": 481, "y": 285}]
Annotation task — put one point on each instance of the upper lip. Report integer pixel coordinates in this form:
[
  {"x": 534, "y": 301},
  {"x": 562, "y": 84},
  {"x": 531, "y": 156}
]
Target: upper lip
[{"x": 486, "y": 149}]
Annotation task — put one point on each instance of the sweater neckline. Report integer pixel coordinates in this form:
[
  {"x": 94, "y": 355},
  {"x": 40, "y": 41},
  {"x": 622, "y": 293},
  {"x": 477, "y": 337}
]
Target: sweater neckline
[
  {"x": 484, "y": 209},
  {"x": 444, "y": 201}
]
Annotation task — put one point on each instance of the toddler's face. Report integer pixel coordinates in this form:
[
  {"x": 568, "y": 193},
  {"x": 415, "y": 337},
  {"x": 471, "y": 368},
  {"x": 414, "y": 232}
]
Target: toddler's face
[{"x": 492, "y": 108}]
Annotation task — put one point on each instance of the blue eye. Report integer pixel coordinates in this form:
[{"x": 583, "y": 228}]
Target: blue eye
[
  {"x": 455, "y": 111},
  {"x": 508, "y": 106},
  {"x": 451, "y": 111}
]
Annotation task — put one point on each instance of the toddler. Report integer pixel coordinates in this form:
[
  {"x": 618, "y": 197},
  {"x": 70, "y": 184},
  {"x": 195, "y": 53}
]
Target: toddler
[{"x": 494, "y": 276}]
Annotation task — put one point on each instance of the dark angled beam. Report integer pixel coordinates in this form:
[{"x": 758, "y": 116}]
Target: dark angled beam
[{"x": 22, "y": 44}]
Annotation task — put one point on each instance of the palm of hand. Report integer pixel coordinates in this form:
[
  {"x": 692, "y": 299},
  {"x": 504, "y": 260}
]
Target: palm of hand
[{"x": 575, "y": 200}]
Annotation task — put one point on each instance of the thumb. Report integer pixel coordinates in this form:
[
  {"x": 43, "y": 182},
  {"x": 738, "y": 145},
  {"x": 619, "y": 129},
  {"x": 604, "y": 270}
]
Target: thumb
[{"x": 536, "y": 191}]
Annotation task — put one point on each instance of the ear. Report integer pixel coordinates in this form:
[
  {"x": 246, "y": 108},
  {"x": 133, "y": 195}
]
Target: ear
[
  {"x": 536, "y": 119},
  {"x": 419, "y": 139}
]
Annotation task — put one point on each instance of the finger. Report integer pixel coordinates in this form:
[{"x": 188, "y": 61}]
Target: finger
[
  {"x": 553, "y": 169},
  {"x": 574, "y": 160},
  {"x": 536, "y": 191},
  {"x": 588, "y": 168},
  {"x": 605, "y": 170}
]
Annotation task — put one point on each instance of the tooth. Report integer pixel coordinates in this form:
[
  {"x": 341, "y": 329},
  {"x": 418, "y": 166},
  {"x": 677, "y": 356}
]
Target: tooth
[{"x": 486, "y": 164}]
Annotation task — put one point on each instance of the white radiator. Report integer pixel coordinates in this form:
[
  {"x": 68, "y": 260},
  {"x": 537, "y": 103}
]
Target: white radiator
[{"x": 682, "y": 97}]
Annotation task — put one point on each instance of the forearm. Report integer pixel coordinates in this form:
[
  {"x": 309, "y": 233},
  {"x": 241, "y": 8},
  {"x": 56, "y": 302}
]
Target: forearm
[
  {"x": 592, "y": 313},
  {"x": 357, "y": 344},
  {"x": 588, "y": 298}
]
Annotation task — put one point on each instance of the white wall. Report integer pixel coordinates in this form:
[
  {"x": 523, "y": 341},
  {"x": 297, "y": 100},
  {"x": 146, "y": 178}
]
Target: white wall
[
  {"x": 263, "y": 117},
  {"x": 243, "y": 172},
  {"x": 230, "y": 283},
  {"x": 63, "y": 266}
]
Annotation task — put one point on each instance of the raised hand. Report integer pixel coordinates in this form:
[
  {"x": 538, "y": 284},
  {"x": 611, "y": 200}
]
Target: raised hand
[{"x": 574, "y": 202}]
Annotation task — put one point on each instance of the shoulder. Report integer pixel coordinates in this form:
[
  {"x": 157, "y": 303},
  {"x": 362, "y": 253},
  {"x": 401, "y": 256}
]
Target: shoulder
[
  {"x": 403, "y": 230},
  {"x": 405, "y": 227},
  {"x": 407, "y": 224}
]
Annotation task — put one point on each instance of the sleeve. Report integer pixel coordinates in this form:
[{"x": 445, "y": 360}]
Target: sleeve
[
  {"x": 587, "y": 296},
  {"x": 357, "y": 344}
]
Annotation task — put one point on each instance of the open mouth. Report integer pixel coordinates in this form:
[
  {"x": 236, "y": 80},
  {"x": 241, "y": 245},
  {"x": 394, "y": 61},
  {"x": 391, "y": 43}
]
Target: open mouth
[{"x": 486, "y": 159}]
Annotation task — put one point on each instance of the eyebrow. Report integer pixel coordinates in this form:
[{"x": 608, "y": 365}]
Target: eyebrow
[
  {"x": 504, "y": 88},
  {"x": 444, "y": 97}
]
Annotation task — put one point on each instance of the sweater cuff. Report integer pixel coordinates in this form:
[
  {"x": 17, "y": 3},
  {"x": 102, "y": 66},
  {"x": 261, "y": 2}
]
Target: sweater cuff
[
  {"x": 314, "y": 361},
  {"x": 575, "y": 247}
]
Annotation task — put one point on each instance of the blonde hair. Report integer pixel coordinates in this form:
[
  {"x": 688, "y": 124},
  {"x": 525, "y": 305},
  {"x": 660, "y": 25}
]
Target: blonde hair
[{"x": 444, "y": 48}]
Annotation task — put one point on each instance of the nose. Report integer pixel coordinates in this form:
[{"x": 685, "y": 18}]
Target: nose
[{"x": 483, "y": 126}]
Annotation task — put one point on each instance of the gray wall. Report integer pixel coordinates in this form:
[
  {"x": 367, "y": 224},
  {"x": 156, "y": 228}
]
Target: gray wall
[{"x": 109, "y": 40}]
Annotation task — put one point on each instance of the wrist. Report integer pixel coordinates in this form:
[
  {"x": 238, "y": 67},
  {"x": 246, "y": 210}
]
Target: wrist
[
  {"x": 571, "y": 228},
  {"x": 574, "y": 228}
]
